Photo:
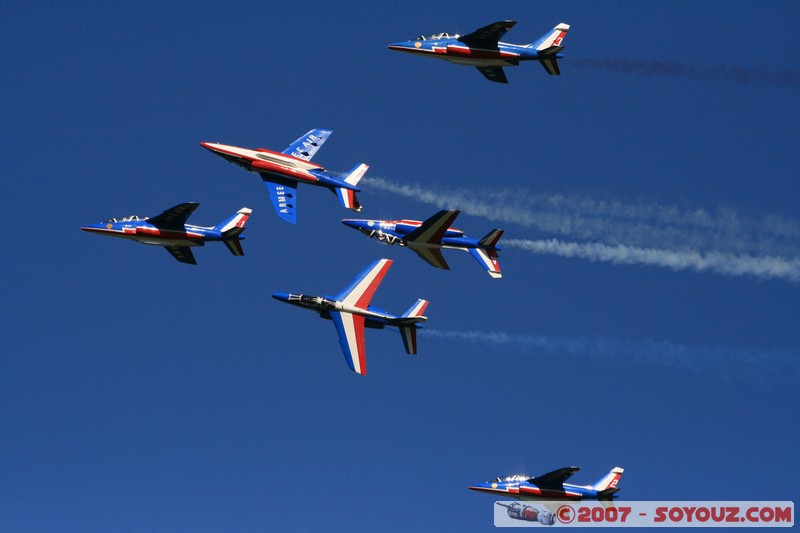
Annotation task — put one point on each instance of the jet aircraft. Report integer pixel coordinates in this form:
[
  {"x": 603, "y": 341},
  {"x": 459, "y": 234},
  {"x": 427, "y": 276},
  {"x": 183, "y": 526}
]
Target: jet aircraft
[
  {"x": 483, "y": 50},
  {"x": 351, "y": 313},
  {"x": 429, "y": 237},
  {"x": 169, "y": 229},
  {"x": 551, "y": 486},
  {"x": 282, "y": 171}
]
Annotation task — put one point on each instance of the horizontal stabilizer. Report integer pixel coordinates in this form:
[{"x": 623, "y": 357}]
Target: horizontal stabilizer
[
  {"x": 551, "y": 66},
  {"x": 409, "y": 334},
  {"x": 488, "y": 259},
  {"x": 235, "y": 246},
  {"x": 491, "y": 239},
  {"x": 348, "y": 199}
]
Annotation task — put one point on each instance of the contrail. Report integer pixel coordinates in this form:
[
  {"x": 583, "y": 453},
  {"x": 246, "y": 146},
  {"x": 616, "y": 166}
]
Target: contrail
[
  {"x": 721, "y": 360},
  {"x": 674, "y": 69},
  {"x": 718, "y": 262}
]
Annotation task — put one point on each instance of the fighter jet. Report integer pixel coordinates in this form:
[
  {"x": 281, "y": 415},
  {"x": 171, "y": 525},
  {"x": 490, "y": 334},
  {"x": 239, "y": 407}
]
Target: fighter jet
[
  {"x": 551, "y": 486},
  {"x": 169, "y": 229},
  {"x": 351, "y": 313},
  {"x": 482, "y": 49},
  {"x": 282, "y": 171},
  {"x": 429, "y": 237}
]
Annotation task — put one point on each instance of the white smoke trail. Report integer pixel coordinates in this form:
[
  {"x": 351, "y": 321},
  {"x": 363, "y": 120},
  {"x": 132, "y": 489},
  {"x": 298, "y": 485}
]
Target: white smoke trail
[
  {"x": 718, "y": 262},
  {"x": 723, "y": 242},
  {"x": 724, "y": 361},
  {"x": 642, "y": 224}
]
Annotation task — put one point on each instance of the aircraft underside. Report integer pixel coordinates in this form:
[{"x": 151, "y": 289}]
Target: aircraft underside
[{"x": 483, "y": 62}]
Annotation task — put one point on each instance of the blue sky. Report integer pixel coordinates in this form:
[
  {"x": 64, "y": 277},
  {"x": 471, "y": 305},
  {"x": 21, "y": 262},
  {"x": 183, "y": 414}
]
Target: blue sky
[{"x": 647, "y": 316}]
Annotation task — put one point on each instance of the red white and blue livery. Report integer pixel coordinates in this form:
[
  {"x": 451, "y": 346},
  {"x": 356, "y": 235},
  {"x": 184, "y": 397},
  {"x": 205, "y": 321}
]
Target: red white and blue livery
[
  {"x": 483, "y": 50},
  {"x": 428, "y": 238},
  {"x": 170, "y": 230},
  {"x": 283, "y": 171},
  {"x": 351, "y": 313},
  {"x": 551, "y": 486}
]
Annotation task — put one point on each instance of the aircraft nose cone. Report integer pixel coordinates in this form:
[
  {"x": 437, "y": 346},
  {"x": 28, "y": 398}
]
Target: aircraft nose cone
[
  {"x": 353, "y": 223},
  {"x": 282, "y": 296}
]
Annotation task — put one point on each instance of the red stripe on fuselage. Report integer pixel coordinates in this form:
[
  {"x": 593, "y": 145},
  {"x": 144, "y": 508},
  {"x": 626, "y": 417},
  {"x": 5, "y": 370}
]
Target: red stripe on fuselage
[
  {"x": 167, "y": 234},
  {"x": 465, "y": 51}
]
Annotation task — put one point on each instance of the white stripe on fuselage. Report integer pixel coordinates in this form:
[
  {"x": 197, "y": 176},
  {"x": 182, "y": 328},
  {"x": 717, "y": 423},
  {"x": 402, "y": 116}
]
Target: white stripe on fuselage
[{"x": 272, "y": 157}]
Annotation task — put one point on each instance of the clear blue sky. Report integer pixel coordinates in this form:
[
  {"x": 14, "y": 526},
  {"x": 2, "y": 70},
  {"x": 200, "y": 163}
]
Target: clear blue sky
[{"x": 138, "y": 393}]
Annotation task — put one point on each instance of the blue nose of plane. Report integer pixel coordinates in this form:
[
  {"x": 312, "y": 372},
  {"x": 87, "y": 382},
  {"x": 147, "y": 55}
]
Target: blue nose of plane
[
  {"x": 282, "y": 296},
  {"x": 354, "y": 223}
]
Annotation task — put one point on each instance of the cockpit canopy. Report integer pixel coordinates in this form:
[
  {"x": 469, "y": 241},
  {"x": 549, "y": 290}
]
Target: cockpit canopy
[
  {"x": 126, "y": 219},
  {"x": 511, "y": 478},
  {"x": 436, "y": 37}
]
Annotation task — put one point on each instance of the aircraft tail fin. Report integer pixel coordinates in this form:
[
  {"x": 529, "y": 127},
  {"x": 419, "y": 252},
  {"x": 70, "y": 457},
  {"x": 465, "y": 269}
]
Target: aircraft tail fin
[
  {"x": 233, "y": 226},
  {"x": 487, "y": 254},
  {"x": 607, "y": 485},
  {"x": 548, "y": 45},
  {"x": 416, "y": 310},
  {"x": 348, "y": 197},
  {"x": 551, "y": 42}
]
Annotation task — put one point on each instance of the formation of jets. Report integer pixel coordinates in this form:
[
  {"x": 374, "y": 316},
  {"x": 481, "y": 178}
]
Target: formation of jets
[
  {"x": 283, "y": 171},
  {"x": 551, "y": 486},
  {"x": 350, "y": 310}
]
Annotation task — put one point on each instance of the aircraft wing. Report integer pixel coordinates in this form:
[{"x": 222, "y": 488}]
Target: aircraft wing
[
  {"x": 359, "y": 293},
  {"x": 350, "y": 328},
  {"x": 283, "y": 194},
  {"x": 182, "y": 253},
  {"x": 306, "y": 146},
  {"x": 488, "y": 36},
  {"x": 556, "y": 478},
  {"x": 433, "y": 256},
  {"x": 432, "y": 230},
  {"x": 496, "y": 74},
  {"x": 174, "y": 217}
]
